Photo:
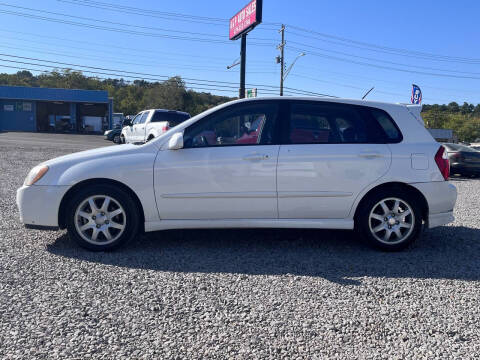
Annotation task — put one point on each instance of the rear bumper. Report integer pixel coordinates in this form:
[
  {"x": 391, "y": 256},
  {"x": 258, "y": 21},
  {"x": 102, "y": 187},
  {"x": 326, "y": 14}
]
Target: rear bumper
[
  {"x": 38, "y": 205},
  {"x": 441, "y": 197}
]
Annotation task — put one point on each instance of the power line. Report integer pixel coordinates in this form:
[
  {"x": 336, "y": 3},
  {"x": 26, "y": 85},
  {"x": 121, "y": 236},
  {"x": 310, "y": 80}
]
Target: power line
[
  {"x": 387, "y": 48},
  {"x": 155, "y": 13},
  {"x": 117, "y": 30},
  {"x": 377, "y": 60},
  {"x": 122, "y": 73},
  {"x": 102, "y": 45},
  {"x": 388, "y": 67}
]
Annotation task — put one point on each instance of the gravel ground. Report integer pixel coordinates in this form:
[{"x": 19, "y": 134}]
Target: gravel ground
[{"x": 234, "y": 294}]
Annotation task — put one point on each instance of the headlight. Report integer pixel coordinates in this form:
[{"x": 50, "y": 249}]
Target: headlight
[
  {"x": 35, "y": 174},
  {"x": 107, "y": 132}
]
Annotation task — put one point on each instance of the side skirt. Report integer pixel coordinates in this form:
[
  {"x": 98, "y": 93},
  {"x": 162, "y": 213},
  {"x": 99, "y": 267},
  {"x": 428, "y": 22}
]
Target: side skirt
[{"x": 343, "y": 224}]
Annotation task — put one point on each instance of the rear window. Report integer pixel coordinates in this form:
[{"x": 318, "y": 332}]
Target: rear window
[
  {"x": 172, "y": 118},
  {"x": 458, "y": 147}
]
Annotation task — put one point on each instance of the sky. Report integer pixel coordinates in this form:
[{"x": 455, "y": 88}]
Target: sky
[{"x": 350, "y": 46}]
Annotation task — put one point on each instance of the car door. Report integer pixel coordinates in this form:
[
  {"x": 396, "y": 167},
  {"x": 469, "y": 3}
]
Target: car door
[
  {"x": 216, "y": 176},
  {"x": 139, "y": 127},
  {"x": 129, "y": 130},
  {"x": 330, "y": 153}
]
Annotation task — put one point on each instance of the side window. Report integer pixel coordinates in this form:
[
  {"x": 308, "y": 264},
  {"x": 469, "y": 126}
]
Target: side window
[
  {"x": 323, "y": 123},
  {"x": 245, "y": 124},
  {"x": 144, "y": 117},
  {"x": 389, "y": 128},
  {"x": 137, "y": 118}
]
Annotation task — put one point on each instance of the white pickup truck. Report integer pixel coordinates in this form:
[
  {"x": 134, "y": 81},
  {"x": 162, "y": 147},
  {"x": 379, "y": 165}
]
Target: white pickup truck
[{"x": 149, "y": 124}]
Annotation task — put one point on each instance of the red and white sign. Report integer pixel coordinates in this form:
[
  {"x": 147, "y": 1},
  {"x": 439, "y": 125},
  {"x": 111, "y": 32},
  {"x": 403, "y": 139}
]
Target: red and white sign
[{"x": 246, "y": 19}]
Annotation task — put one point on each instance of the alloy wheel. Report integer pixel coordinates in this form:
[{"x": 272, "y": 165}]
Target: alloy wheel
[
  {"x": 100, "y": 219},
  {"x": 391, "y": 221}
]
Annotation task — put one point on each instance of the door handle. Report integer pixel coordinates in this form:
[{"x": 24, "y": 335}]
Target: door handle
[
  {"x": 255, "y": 157},
  {"x": 370, "y": 154}
]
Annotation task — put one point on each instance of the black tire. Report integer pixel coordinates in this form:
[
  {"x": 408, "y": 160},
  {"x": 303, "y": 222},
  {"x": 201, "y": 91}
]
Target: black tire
[
  {"x": 129, "y": 217},
  {"x": 365, "y": 225},
  {"x": 151, "y": 137},
  {"x": 116, "y": 139}
]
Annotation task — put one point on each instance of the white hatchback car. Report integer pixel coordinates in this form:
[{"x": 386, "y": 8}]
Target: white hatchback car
[{"x": 256, "y": 163}]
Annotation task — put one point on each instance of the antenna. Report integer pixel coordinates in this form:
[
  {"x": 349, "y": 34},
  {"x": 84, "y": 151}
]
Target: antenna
[{"x": 368, "y": 92}]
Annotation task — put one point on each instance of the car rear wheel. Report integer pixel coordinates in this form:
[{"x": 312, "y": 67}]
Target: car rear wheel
[
  {"x": 102, "y": 218},
  {"x": 390, "y": 221},
  {"x": 116, "y": 139}
]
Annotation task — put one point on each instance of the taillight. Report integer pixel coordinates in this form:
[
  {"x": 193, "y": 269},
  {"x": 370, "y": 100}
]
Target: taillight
[
  {"x": 166, "y": 127},
  {"x": 441, "y": 158}
]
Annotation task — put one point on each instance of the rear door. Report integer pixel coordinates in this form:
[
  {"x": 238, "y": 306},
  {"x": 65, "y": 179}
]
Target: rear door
[{"x": 330, "y": 153}]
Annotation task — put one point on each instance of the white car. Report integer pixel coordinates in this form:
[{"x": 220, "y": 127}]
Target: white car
[
  {"x": 254, "y": 163},
  {"x": 150, "y": 124}
]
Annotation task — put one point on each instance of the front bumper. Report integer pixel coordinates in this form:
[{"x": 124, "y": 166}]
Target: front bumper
[
  {"x": 441, "y": 197},
  {"x": 38, "y": 205}
]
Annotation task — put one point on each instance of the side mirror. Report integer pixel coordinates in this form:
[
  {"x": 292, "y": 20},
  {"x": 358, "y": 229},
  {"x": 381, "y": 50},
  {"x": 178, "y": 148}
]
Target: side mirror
[{"x": 175, "y": 142}]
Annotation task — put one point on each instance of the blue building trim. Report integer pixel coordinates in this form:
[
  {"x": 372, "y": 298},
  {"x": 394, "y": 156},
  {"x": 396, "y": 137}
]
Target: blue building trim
[
  {"x": 50, "y": 94},
  {"x": 18, "y": 106}
]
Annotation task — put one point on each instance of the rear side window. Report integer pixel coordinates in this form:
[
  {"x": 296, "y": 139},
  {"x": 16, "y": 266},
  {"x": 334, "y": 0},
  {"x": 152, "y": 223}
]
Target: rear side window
[
  {"x": 391, "y": 131},
  {"x": 334, "y": 123},
  {"x": 172, "y": 118},
  {"x": 322, "y": 123}
]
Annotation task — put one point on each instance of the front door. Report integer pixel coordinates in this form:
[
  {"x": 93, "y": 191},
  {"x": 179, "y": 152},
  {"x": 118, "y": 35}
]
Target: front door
[
  {"x": 139, "y": 128},
  {"x": 331, "y": 153},
  {"x": 218, "y": 175}
]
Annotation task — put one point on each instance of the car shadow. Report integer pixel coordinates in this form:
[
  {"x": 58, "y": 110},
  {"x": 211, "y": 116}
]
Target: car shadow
[{"x": 449, "y": 252}]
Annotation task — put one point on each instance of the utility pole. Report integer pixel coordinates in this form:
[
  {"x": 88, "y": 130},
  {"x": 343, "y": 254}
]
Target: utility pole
[
  {"x": 243, "y": 61},
  {"x": 281, "y": 59}
]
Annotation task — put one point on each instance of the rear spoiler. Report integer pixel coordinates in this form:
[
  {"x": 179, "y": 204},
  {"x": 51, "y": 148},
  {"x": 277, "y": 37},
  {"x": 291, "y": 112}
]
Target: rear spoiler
[{"x": 415, "y": 110}]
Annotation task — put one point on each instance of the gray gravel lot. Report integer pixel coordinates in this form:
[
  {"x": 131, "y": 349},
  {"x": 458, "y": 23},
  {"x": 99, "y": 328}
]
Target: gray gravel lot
[{"x": 230, "y": 293}]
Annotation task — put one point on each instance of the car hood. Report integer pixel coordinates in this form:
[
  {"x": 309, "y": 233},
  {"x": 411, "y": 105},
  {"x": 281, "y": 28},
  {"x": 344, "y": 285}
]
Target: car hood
[
  {"x": 111, "y": 157},
  {"x": 102, "y": 152}
]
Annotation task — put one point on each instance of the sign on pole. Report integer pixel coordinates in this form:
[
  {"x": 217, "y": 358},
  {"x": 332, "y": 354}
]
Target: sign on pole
[
  {"x": 246, "y": 19},
  {"x": 252, "y": 93}
]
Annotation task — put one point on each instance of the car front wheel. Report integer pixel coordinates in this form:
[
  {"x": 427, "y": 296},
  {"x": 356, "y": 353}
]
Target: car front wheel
[
  {"x": 390, "y": 221},
  {"x": 102, "y": 217}
]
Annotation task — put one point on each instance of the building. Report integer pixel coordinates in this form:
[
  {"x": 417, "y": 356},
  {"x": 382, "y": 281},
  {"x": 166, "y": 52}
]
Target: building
[
  {"x": 54, "y": 110},
  {"x": 443, "y": 135}
]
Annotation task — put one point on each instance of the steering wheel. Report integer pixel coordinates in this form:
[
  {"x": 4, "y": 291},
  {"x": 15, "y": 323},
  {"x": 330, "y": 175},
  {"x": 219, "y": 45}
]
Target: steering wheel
[{"x": 200, "y": 141}]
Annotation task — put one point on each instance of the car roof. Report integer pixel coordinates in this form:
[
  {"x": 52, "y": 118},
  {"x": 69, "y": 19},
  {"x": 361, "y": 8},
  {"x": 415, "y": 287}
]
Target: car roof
[
  {"x": 328, "y": 99},
  {"x": 168, "y": 111}
]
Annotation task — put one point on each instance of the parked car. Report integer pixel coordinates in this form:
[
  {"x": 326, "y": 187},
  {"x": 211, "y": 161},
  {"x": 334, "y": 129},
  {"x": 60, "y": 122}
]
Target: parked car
[
  {"x": 464, "y": 160},
  {"x": 149, "y": 124},
  {"x": 254, "y": 163},
  {"x": 475, "y": 146},
  {"x": 114, "y": 134}
]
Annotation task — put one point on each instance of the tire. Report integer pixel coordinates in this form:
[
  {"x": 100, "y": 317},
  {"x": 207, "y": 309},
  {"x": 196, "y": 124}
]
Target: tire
[
  {"x": 151, "y": 137},
  {"x": 381, "y": 228},
  {"x": 116, "y": 139},
  {"x": 114, "y": 225}
]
